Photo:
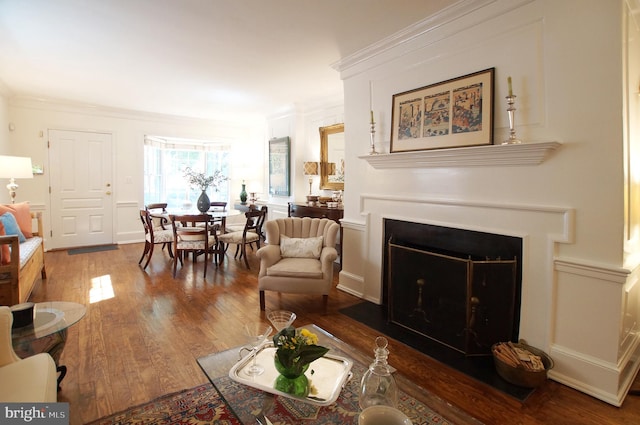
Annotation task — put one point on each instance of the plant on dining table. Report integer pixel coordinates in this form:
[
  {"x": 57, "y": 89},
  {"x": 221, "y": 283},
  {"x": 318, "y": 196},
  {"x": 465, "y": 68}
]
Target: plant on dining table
[{"x": 202, "y": 181}]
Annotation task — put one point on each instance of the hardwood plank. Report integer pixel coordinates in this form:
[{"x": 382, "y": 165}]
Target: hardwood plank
[{"x": 144, "y": 342}]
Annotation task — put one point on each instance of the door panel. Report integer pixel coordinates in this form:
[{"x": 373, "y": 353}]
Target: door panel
[{"x": 80, "y": 181}]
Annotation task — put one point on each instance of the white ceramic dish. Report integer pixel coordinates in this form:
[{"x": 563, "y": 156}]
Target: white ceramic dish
[{"x": 327, "y": 374}]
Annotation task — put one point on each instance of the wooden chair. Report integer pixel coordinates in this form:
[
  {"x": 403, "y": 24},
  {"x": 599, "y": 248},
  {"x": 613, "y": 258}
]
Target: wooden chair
[
  {"x": 159, "y": 218},
  {"x": 219, "y": 205},
  {"x": 249, "y": 234},
  {"x": 160, "y": 209},
  {"x": 239, "y": 228},
  {"x": 195, "y": 234},
  {"x": 153, "y": 236}
]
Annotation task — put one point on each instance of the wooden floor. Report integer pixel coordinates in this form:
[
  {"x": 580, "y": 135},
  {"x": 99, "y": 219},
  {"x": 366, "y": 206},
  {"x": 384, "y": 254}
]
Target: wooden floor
[{"x": 143, "y": 332}]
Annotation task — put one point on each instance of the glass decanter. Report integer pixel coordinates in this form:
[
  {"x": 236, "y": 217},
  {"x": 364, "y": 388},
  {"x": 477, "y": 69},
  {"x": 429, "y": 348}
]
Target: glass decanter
[{"x": 378, "y": 386}]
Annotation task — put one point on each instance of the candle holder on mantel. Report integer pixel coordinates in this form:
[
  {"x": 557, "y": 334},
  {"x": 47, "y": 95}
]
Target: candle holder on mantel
[
  {"x": 373, "y": 138},
  {"x": 511, "y": 110}
]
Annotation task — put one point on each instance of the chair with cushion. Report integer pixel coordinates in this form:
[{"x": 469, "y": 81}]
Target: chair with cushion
[
  {"x": 218, "y": 206},
  {"x": 196, "y": 234},
  {"x": 299, "y": 258},
  {"x": 247, "y": 236},
  {"x": 29, "y": 380},
  {"x": 159, "y": 218},
  {"x": 260, "y": 230},
  {"x": 153, "y": 236},
  {"x": 159, "y": 214}
]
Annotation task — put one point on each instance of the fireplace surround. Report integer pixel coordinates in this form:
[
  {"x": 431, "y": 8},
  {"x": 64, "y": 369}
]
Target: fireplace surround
[{"x": 458, "y": 287}]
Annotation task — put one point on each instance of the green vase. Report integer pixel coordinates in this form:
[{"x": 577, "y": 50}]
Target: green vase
[
  {"x": 291, "y": 382},
  {"x": 243, "y": 194}
]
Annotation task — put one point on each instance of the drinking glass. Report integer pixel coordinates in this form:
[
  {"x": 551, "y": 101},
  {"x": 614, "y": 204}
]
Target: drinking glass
[{"x": 256, "y": 333}]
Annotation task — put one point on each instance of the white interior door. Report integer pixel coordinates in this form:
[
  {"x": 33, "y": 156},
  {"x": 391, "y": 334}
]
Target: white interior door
[{"x": 80, "y": 188}]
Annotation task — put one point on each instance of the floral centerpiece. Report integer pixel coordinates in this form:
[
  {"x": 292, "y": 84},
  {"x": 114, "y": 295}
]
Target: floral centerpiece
[
  {"x": 202, "y": 181},
  {"x": 295, "y": 350}
]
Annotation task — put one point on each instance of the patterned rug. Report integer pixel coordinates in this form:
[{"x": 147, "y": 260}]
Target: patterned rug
[
  {"x": 199, "y": 405},
  {"x": 247, "y": 402}
]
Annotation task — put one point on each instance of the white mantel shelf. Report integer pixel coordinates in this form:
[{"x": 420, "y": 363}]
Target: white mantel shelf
[{"x": 532, "y": 153}]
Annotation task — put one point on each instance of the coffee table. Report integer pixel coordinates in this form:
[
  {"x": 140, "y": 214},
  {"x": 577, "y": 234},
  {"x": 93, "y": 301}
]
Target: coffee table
[
  {"x": 217, "y": 365},
  {"x": 48, "y": 333}
]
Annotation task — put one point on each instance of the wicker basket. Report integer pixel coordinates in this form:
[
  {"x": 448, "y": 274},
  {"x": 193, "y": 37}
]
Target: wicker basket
[{"x": 520, "y": 376}]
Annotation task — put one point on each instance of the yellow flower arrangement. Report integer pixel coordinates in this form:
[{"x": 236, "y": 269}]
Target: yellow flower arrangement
[{"x": 296, "y": 349}]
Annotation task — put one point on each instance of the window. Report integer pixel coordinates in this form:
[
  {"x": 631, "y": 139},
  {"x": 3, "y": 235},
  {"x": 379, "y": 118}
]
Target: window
[{"x": 164, "y": 163}]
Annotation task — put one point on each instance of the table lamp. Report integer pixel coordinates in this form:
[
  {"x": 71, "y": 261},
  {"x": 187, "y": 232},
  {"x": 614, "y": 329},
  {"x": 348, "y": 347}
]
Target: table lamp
[
  {"x": 15, "y": 167},
  {"x": 310, "y": 169}
]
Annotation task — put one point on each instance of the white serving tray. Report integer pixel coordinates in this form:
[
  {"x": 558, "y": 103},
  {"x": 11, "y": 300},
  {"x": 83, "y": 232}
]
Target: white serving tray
[{"x": 327, "y": 375}]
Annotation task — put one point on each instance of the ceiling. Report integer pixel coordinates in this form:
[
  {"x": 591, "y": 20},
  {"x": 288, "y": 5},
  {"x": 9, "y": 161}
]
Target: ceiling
[{"x": 215, "y": 59}]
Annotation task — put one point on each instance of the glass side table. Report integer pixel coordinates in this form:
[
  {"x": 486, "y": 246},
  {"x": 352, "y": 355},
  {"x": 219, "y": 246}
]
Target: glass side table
[{"x": 48, "y": 332}]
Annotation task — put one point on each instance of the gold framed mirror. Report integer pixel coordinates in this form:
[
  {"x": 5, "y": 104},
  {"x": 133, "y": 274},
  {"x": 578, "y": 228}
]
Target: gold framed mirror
[{"x": 332, "y": 157}]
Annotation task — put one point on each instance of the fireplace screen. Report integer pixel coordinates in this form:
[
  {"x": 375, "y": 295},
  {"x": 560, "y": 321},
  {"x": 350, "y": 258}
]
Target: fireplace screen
[{"x": 466, "y": 304}]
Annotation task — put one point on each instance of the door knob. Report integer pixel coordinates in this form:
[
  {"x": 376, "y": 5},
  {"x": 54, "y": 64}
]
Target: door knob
[{"x": 108, "y": 192}]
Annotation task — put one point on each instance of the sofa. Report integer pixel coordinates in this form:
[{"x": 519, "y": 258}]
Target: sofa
[
  {"x": 299, "y": 257},
  {"x": 33, "y": 379},
  {"x": 19, "y": 273}
]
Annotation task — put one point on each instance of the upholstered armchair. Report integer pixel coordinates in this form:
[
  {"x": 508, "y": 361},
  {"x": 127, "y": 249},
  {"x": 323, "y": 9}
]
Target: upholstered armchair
[
  {"x": 33, "y": 379},
  {"x": 299, "y": 257}
]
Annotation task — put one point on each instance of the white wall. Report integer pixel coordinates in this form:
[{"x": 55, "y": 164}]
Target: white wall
[
  {"x": 580, "y": 298},
  {"x": 33, "y": 119},
  {"x": 4, "y": 124},
  {"x": 302, "y": 125}
]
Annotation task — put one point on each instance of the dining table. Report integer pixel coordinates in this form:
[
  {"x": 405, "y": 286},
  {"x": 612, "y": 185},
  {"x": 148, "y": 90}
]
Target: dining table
[{"x": 215, "y": 214}]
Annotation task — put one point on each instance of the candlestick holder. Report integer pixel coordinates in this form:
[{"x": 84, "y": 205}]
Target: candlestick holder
[
  {"x": 512, "y": 140},
  {"x": 373, "y": 139}
]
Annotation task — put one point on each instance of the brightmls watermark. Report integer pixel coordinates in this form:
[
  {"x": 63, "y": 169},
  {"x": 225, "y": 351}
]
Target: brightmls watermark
[{"x": 34, "y": 413}]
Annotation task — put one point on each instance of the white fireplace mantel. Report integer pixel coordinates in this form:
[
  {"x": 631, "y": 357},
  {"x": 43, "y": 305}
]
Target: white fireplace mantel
[{"x": 473, "y": 156}]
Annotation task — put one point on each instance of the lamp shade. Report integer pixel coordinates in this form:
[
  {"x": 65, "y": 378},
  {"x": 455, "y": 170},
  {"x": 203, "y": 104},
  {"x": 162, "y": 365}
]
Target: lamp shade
[
  {"x": 311, "y": 168},
  {"x": 331, "y": 169},
  {"x": 17, "y": 167}
]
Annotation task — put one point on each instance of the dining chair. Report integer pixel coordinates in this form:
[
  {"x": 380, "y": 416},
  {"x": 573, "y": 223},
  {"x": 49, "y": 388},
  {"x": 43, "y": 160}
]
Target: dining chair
[
  {"x": 238, "y": 228},
  {"x": 159, "y": 208},
  {"x": 195, "y": 234},
  {"x": 247, "y": 236},
  {"x": 153, "y": 236},
  {"x": 219, "y": 206}
]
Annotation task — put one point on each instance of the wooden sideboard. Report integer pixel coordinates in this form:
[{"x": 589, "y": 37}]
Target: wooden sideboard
[{"x": 301, "y": 209}]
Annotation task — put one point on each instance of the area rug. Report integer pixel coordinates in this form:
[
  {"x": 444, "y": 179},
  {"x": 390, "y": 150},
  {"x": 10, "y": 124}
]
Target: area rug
[
  {"x": 247, "y": 402},
  {"x": 199, "y": 405},
  {"x": 89, "y": 249}
]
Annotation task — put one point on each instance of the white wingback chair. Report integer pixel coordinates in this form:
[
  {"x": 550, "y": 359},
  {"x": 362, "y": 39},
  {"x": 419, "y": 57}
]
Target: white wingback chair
[
  {"x": 299, "y": 257},
  {"x": 33, "y": 379}
]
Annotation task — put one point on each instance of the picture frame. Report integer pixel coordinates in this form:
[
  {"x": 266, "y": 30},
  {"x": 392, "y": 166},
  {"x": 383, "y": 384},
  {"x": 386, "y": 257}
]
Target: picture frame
[
  {"x": 453, "y": 113},
  {"x": 279, "y": 166}
]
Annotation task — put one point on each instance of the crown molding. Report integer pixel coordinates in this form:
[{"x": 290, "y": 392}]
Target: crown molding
[
  {"x": 61, "y": 105},
  {"x": 462, "y": 8}
]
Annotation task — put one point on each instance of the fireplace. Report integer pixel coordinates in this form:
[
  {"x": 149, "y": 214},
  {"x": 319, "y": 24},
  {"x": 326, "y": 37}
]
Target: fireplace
[{"x": 458, "y": 287}]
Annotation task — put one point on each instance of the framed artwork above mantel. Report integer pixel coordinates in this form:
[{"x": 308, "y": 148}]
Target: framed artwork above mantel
[{"x": 453, "y": 113}]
